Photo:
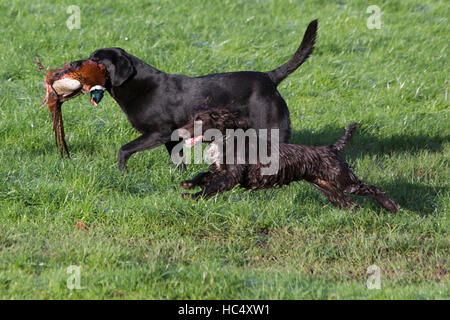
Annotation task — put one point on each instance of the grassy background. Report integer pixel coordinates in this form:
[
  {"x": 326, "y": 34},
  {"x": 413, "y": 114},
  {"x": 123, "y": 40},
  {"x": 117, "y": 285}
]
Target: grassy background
[{"x": 145, "y": 241}]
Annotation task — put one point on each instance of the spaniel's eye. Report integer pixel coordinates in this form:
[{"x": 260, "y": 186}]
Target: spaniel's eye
[{"x": 214, "y": 116}]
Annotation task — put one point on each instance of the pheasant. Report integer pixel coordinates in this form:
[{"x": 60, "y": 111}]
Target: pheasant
[{"x": 65, "y": 83}]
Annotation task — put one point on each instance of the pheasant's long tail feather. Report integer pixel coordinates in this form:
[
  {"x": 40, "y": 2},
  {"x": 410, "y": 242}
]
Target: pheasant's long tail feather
[
  {"x": 39, "y": 64},
  {"x": 58, "y": 129}
]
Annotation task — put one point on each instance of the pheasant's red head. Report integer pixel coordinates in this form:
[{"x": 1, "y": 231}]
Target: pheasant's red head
[
  {"x": 88, "y": 73},
  {"x": 93, "y": 78}
]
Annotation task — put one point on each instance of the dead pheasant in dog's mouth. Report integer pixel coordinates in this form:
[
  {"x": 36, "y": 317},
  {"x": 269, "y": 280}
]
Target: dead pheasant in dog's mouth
[{"x": 65, "y": 83}]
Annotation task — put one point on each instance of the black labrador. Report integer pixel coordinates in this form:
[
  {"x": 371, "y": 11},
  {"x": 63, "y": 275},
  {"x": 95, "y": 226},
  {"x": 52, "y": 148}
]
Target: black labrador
[{"x": 156, "y": 103}]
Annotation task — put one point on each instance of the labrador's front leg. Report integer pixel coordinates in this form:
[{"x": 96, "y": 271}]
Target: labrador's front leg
[{"x": 144, "y": 142}]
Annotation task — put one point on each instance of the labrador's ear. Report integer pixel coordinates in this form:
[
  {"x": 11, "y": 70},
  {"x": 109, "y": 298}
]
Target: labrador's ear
[{"x": 117, "y": 63}]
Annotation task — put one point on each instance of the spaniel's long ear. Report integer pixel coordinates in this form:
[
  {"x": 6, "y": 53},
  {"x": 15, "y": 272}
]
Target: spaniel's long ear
[{"x": 117, "y": 63}]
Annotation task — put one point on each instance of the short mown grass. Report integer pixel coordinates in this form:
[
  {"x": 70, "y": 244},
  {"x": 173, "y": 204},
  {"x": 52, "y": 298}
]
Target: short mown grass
[{"x": 145, "y": 241}]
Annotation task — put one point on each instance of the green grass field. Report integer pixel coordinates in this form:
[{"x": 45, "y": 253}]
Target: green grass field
[{"x": 145, "y": 241}]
